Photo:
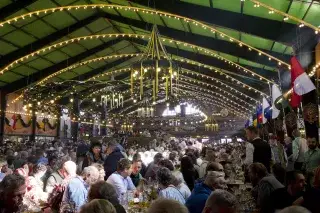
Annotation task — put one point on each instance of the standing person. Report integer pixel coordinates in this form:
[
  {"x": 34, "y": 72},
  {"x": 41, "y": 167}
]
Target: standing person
[
  {"x": 111, "y": 161},
  {"x": 190, "y": 174},
  {"x": 299, "y": 148},
  {"x": 311, "y": 159},
  {"x": 264, "y": 185},
  {"x": 121, "y": 178},
  {"x": 77, "y": 189},
  {"x": 257, "y": 150},
  {"x": 209, "y": 157},
  {"x": 279, "y": 156},
  {"x": 288, "y": 147},
  {"x": 94, "y": 155},
  {"x": 12, "y": 190}
]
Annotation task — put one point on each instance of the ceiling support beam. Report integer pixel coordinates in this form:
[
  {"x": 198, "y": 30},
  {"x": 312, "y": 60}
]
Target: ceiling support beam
[
  {"x": 46, "y": 40},
  {"x": 17, "y": 85},
  {"x": 206, "y": 42},
  {"x": 265, "y": 28},
  {"x": 14, "y": 7}
]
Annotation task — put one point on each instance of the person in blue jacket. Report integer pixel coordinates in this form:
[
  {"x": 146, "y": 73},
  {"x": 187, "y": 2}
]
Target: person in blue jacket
[
  {"x": 111, "y": 161},
  {"x": 196, "y": 202}
]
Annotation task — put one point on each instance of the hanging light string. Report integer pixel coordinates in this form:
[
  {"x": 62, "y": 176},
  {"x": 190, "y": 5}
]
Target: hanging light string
[
  {"x": 272, "y": 10},
  {"x": 217, "y": 70},
  {"x": 218, "y": 96},
  {"x": 205, "y": 51},
  {"x": 192, "y": 86},
  {"x": 43, "y": 81},
  {"x": 217, "y": 81},
  {"x": 210, "y": 92},
  {"x": 212, "y": 102},
  {"x": 212, "y": 86},
  {"x": 150, "y": 11}
]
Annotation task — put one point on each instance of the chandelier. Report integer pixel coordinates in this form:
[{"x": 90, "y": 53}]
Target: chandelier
[
  {"x": 211, "y": 125},
  {"x": 157, "y": 75}
]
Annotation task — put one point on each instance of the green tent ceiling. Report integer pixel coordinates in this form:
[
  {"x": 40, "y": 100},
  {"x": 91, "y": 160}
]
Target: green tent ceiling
[{"x": 24, "y": 37}]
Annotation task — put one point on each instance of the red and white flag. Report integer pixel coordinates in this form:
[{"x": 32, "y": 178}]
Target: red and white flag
[{"x": 300, "y": 82}]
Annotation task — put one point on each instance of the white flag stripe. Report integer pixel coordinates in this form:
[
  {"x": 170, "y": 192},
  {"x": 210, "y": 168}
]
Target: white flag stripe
[
  {"x": 303, "y": 84},
  {"x": 265, "y": 104},
  {"x": 275, "y": 94}
]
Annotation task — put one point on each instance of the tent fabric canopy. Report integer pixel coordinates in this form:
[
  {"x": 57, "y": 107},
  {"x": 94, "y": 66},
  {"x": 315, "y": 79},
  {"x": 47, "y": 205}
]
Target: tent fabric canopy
[{"x": 236, "y": 20}]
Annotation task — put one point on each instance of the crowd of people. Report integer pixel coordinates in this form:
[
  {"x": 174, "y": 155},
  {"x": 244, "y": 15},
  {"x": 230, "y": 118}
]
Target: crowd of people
[{"x": 177, "y": 175}]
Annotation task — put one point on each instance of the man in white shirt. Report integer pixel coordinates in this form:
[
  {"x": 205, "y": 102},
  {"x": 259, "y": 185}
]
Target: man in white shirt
[
  {"x": 299, "y": 147},
  {"x": 121, "y": 178}
]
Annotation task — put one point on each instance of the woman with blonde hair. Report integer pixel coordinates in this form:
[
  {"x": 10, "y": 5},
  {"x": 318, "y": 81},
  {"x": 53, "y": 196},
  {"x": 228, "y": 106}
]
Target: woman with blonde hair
[{"x": 98, "y": 206}]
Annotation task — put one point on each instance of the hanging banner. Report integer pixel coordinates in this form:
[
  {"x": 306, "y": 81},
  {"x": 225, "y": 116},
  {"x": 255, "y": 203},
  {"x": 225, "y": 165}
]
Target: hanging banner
[
  {"x": 17, "y": 121},
  {"x": 46, "y": 127}
]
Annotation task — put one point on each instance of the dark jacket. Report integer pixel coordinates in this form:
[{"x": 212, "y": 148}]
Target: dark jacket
[
  {"x": 262, "y": 153},
  {"x": 198, "y": 198},
  {"x": 190, "y": 176},
  {"x": 111, "y": 162}
]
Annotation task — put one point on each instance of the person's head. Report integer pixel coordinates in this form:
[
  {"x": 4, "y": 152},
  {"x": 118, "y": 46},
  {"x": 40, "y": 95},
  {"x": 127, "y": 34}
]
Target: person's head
[
  {"x": 186, "y": 163},
  {"x": 214, "y": 166},
  {"x": 136, "y": 157},
  {"x": 296, "y": 133},
  {"x": 53, "y": 161},
  {"x": 172, "y": 156},
  {"x": 215, "y": 180},
  {"x": 221, "y": 201},
  {"x": 100, "y": 168},
  {"x": 124, "y": 167},
  {"x": 136, "y": 167},
  {"x": 257, "y": 171},
  {"x": 287, "y": 140},
  {"x": 98, "y": 206},
  {"x": 157, "y": 158},
  {"x": 210, "y": 155},
  {"x": 166, "y": 163},
  {"x": 167, "y": 206},
  {"x": 95, "y": 147},
  {"x": 12, "y": 190},
  {"x": 296, "y": 182},
  {"x": 103, "y": 190},
  {"x": 24, "y": 155},
  {"x": 312, "y": 142},
  {"x": 39, "y": 170},
  {"x": 90, "y": 174},
  {"x": 70, "y": 169},
  {"x": 294, "y": 209},
  {"x": 251, "y": 133},
  {"x": 164, "y": 177},
  {"x": 111, "y": 147},
  {"x": 279, "y": 172},
  {"x": 178, "y": 178},
  {"x": 39, "y": 153}
]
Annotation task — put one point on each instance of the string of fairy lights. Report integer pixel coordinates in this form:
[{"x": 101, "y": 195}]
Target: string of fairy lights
[
  {"x": 212, "y": 86},
  {"x": 217, "y": 81},
  {"x": 286, "y": 16},
  {"x": 116, "y": 35},
  {"x": 213, "y": 102},
  {"x": 207, "y": 27},
  {"x": 217, "y": 96}
]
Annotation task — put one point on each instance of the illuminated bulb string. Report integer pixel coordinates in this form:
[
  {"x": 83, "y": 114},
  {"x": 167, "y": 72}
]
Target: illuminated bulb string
[
  {"x": 99, "y": 36},
  {"x": 217, "y": 81},
  {"x": 286, "y": 16},
  {"x": 135, "y": 9},
  {"x": 218, "y": 97}
]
